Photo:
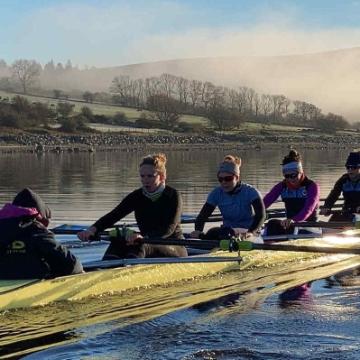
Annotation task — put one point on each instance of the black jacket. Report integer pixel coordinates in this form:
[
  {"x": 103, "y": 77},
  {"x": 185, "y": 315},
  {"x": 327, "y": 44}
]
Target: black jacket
[{"x": 29, "y": 250}]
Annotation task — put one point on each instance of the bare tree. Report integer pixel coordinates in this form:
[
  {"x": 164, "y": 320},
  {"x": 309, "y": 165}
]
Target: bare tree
[
  {"x": 195, "y": 92},
  {"x": 257, "y": 104},
  {"x": 26, "y": 72},
  {"x": 183, "y": 90},
  {"x": 120, "y": 85},
  {"x": 167, "y": 84},
  {"x": 152, "y": 87},
  {"x": 164, "y": 109},
  {"x": 207, "y": 93},
  {"x": 137, "y": 93},
  {"x": 278, "y": 102},
  {"x": 265, "y": 105},
  {"x": 241, "y": 100}
]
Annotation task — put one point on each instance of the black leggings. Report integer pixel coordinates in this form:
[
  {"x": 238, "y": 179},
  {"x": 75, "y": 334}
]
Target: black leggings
[
  {"x": 274, "y": 227},
  {"x": 119, "y": 249},
  {"x": 343, "y": 216}
]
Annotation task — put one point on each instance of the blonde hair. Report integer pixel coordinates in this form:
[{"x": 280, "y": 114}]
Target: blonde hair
[
  {"x": 232, "y": 159},
  {"x": 230, "y": 164},
  {"x": 158, "y": 161}
]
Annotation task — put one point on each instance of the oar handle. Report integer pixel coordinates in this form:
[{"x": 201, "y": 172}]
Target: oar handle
[{"x": 248, "y": 246}]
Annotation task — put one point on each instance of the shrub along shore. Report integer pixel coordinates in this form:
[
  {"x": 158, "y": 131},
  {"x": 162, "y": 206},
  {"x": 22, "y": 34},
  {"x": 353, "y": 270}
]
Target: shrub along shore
[{"x": 30, "y": 142}]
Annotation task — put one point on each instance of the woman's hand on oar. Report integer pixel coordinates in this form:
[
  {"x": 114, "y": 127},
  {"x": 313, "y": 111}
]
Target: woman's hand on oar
[{"x": 88, "y": 234}]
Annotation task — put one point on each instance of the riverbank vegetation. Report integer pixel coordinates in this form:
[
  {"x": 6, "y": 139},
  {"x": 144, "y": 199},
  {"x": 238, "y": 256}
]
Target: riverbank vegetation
[{"x": 166, "y": 104}]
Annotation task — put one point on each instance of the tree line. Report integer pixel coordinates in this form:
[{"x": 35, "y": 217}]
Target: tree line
[
  {"x": 165, "y": 98},
  {"x": 226, "y": 108}
]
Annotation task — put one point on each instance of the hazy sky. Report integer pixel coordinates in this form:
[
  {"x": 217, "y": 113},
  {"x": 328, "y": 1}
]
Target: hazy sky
[{"x": 115, "y": 32}]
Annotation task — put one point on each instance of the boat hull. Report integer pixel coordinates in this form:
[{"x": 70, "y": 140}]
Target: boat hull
[{"x": 17, "y": 294}]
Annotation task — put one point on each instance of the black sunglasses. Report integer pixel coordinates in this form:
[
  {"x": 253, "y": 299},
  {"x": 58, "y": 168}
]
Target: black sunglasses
[
  {"x": 291, "y": 176},
  {"x": 226, "y": 178},
  {"x": 351, "y": 167}
]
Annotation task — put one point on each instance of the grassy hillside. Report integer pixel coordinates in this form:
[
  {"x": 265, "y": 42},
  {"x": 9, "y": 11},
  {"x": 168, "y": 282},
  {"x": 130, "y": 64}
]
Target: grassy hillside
[
  {"x": 133, "y": 114},
  {"x": 329, "y": 80},
  {"x": 101, "y": 109}
]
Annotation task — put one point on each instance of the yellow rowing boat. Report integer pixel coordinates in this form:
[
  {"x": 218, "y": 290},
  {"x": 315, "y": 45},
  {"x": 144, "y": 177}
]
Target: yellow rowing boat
[{"x": 26, "y": 293}]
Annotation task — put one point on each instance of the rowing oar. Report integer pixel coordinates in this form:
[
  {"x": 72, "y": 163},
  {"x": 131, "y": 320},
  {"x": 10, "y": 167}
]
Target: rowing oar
[
  {"x": 233, "y": 244},
  {"x": 248, "y": 246},
  {"x": 326, "y": 224},
  {"x": 73, "y": 229},
  {"x": 210, "y": 244},
  {"x": 110, "y": 264},
  {"x": 281, "y": 213},
  {"x": 194, "y": 243}
]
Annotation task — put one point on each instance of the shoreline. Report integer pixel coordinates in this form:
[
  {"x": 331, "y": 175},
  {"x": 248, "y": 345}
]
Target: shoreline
[{"x": 42, "y": 143}]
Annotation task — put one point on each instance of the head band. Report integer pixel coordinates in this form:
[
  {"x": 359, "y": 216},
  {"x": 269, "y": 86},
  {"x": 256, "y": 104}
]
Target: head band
[
  {"x": 229, "y": 167},
  {"x": 293, "y": 166}
]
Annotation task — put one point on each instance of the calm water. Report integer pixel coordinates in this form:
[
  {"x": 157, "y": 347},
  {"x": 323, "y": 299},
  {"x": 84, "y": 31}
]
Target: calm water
[{"x": 224, "y": 317}]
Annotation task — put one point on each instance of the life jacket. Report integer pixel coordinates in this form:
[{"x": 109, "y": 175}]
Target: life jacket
[
  {"x": 20, "y": 257},
  {"x": 294, "y": 199},
  {"x": 351, "y": 194}
]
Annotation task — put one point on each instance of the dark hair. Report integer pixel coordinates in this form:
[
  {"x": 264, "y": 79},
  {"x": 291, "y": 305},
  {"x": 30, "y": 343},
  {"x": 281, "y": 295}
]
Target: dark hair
[
  {"x": 353, "y": 159},
  {"x": 292, "y": 156}
]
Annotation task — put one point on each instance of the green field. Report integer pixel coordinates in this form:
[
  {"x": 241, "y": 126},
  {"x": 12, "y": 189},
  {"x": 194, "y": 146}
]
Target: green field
[
  {"x": 101, "y": 109},
  {"x": 133, "y": 114}
]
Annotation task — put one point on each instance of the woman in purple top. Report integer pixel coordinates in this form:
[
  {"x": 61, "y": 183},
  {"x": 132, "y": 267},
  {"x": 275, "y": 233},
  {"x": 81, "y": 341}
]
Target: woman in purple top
[{"x": 299, "y": 194}]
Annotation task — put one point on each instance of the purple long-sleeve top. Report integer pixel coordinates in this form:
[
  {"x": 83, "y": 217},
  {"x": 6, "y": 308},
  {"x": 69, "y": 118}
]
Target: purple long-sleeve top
[{"x": 310, "y": 204}]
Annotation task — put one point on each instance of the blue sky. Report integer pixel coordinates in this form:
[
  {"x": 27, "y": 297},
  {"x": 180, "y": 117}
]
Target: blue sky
[{"x": 109, "y": 33}]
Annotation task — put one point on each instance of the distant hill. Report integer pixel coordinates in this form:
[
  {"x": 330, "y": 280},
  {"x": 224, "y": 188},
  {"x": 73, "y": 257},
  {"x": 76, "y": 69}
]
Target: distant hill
[{"x": 329, "y": 80}]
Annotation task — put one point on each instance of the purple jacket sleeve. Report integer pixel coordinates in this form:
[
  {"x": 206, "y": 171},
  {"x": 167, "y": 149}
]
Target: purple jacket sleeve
[
  {"x": 273, "y": 195},
  {"x": 311, "y": 202}
]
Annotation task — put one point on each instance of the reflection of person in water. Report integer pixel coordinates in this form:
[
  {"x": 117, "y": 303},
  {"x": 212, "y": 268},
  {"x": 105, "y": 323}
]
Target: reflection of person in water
[
  {"x": 223, "y": 301},
  {"x": 345, "y": 278},
  {"x": 297, "y": 294}
]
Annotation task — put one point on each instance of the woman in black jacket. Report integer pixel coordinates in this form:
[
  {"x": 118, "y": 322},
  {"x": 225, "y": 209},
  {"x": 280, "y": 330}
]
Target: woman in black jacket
[
  {"x": 157, "y": 209},
  {"x": 349, "y": 185},
  {"x": 28, "y": 250}
]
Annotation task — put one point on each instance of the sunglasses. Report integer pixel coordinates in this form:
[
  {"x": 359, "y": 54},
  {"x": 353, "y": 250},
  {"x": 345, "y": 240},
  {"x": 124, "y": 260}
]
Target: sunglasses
[
  {"x": 226, "y": 178},
  {"x": 149, "y": 176},
  {"x": 291, "y": 176},
  {"x": 351, "y": 167}
]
